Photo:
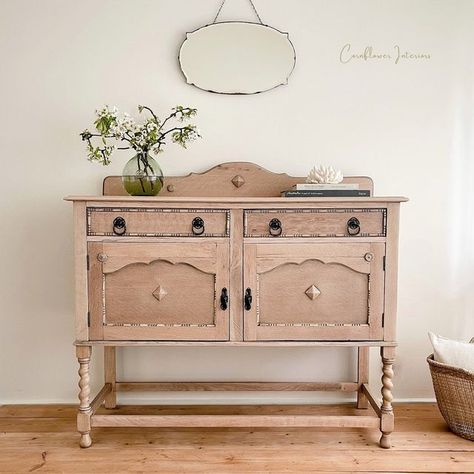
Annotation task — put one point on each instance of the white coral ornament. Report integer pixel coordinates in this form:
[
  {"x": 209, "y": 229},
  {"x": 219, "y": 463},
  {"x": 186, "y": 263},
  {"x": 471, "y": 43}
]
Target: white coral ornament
[{"x": 324, "y": 175}]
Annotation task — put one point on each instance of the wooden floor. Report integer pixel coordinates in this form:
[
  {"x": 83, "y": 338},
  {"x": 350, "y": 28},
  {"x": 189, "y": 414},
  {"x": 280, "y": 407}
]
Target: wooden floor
[{"x": 42, "y": 438}]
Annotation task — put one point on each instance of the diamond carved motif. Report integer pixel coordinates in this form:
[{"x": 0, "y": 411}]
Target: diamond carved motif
[
  {"x": 313, "y": 292},
  {"x": 159, "y": 293},
  {"x": 238, "y": 181}
]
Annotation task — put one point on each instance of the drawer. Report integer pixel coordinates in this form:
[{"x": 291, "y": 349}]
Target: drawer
[
  {"x": 321, "y": 222},
  {"x": 157, "y": 222}
]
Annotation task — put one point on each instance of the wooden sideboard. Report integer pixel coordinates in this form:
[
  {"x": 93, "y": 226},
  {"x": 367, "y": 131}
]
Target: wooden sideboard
[{"x": 220, "y": 259}]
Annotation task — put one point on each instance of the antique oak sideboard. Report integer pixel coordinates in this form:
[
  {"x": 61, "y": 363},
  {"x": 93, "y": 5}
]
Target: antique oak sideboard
[{"x": 220, "y": 259}]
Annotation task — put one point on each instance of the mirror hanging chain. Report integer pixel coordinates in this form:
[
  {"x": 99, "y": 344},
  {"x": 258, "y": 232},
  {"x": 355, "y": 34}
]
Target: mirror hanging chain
[{"x": 251, "y": 3}]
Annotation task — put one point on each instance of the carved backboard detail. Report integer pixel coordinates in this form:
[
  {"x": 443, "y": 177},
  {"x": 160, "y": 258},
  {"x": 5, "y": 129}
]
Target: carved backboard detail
[{"x": 233, "y": 179}]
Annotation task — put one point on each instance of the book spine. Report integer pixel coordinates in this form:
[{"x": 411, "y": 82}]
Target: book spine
[
  {"x": 327, "y": 193},
  {"x": 321, "y": 187}
]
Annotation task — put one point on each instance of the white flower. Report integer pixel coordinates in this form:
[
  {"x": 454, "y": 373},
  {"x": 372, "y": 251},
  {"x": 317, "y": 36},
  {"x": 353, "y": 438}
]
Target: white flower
[{"x": 106, "y": 111}]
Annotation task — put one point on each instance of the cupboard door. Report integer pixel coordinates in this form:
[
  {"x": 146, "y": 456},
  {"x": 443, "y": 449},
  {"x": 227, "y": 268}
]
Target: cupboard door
[
  {"x": 158, "y": 291},
  {"x": 314, "y": 291}
]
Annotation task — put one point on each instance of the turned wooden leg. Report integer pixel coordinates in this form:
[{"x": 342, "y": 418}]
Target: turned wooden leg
[
  {"x": 386, "y": 417},
  {"x": 110, "y": 376},
  {"x": 362, "y": 375},
  {"x": 85, "y": 411}
]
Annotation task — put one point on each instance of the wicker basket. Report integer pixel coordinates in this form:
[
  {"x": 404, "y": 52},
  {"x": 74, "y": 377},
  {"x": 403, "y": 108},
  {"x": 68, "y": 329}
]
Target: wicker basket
[{"x": 454, "y": 389}]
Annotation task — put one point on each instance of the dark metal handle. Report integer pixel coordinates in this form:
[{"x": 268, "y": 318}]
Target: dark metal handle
[
  {"x": 275, "y": 228},
  {"x": 248, "y": 299},
  {"x": 224, "y": 299},
  {"x": 198, "y": 226},
  {"x": 353, "y": 226},
  {"x": 119, "y": 226}
]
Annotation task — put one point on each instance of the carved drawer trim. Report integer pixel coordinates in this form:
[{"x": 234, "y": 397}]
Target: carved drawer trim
[
  {"x": 346, "y": 213},
  {"x": 153, "y": 211}
]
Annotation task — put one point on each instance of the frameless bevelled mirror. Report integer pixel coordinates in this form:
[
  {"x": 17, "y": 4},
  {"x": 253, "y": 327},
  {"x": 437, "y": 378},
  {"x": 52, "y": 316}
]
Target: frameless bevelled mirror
[{"x": 236, "y": 57}]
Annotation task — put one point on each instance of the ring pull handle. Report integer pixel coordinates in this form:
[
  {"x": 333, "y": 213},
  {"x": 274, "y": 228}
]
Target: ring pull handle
[
  {"x": 275, "y": 228},
  {"x": 224, "y": 299},
  {"x": 353, "y": 226},
  {"x": 248, "y": 299},
  {"x": 197, "y": 226},
  {"x": 119, "y": 226}
]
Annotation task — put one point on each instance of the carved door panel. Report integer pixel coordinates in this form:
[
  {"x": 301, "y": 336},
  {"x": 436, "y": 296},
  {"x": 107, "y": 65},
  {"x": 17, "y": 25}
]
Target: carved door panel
[
  {"x": 314, "y": 291},
  {"x": 158, "y": 291}
]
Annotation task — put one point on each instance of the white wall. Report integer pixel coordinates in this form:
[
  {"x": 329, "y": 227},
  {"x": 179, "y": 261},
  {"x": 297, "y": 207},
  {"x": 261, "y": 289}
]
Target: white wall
[{"x": 408, "y": 125}]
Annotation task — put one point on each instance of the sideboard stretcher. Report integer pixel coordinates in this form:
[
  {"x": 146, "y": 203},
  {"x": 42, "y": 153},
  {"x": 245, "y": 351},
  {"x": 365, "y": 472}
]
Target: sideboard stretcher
[{"x": 237, "y": 251}]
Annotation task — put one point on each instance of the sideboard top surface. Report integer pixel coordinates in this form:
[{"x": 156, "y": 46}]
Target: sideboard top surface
[
  {"x": 233, "y": 182},
  {"x": 234, "y": 200}
]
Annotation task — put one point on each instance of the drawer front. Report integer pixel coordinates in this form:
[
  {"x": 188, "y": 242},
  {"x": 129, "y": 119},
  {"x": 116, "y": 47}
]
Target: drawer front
[
  {"x": 321, "y": 222},
  {"x": 157, "y": 222},
  {"x": 321, "y": 291}
]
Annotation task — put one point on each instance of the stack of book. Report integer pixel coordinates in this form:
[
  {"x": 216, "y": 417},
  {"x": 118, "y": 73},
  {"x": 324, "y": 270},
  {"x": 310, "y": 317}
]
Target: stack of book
[{"x": 326, "y": 190}]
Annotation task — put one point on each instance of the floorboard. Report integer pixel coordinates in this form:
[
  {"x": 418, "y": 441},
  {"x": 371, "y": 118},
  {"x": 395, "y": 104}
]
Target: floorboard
[{"x": 42, "y": 438}]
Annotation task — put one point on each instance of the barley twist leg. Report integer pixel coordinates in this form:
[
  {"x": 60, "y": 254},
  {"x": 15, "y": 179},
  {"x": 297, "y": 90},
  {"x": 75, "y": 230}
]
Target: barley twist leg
[{"x": 85, "y": 411}]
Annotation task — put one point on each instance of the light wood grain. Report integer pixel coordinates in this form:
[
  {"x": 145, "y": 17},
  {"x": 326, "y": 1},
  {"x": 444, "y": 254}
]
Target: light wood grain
[
  {"x": 156, "y": 343},
  {"x": 235, "y": 421},
  {"x": 161, "y": 293},
  {"x": 160, "y": 284},
  {"x": 371, "y": 399},
  {"x": 157, "y": 222},
  {"x": 314, "y": 222},
  {"x": 391, "y": 274},
  {"x": 80, "y": 264},
  {"x": 110, "y": 375},
  {"x": 100, "y": 397},
  {"x": 201, "y": 255},
  {"x": 42, "y": 438},
  {"x": 95, "y": 286},
  {"x": 220, "y": 181},
  {"x": 125, "y": 279},
  {"x": 362, "y": 375},
  {"x": 235, "y": 269},
  {"x": 236, "y": 386},
  {"x": 224, "y": 201},
  {"x": 342, "y": 294},
  {"x": 386, "y": 410},
  {"x": 84, "y": 414},
  {"x": 349, "y": 278}
]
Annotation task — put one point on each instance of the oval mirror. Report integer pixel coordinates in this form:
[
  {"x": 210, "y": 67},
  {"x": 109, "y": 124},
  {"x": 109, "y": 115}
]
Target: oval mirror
[{"x": 237, "y": 58}]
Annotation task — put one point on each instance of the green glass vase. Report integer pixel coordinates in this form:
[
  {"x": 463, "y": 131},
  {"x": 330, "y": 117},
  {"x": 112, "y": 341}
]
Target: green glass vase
[{"x": 142, "y": 176}]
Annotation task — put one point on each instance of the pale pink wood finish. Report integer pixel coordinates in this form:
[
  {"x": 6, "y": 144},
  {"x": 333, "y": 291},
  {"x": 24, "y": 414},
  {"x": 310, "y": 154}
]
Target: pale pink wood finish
[
  {"x": 110, "y": 376},
  {"x": 160, "y": 284},
  {"x": 322, "y": 222},
  {"x": 158, "y": 290},
  {"x": 348, "y": 280},
  {"x": 220, "y": 181},
  {"x": 362, "y": 376},
  {"x": 157, "y": 221}
]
